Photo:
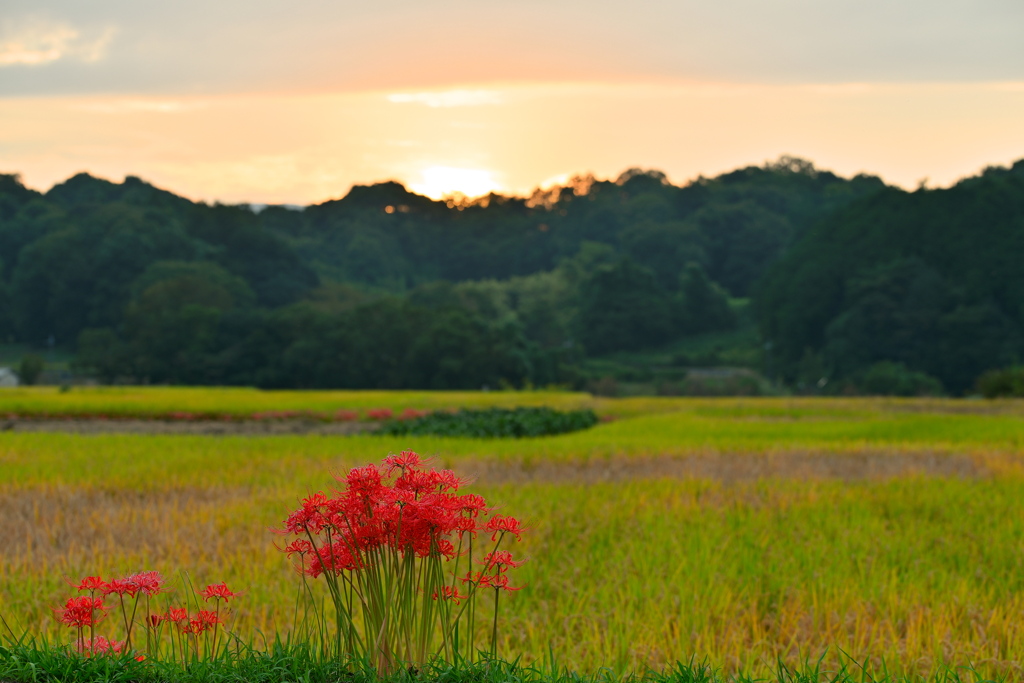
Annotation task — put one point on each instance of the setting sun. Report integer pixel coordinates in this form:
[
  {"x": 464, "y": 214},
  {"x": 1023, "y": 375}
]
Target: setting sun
[{"x": 439, "y": 181}]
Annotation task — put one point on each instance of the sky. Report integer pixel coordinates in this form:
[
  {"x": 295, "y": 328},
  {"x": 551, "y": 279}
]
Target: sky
[{"x": 270, "y": 102}]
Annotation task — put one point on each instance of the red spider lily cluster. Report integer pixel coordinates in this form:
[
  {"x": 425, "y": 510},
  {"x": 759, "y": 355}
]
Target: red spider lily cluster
[
  {"x": 395, "y": 531},
  {"x": 84, "y": 612}
]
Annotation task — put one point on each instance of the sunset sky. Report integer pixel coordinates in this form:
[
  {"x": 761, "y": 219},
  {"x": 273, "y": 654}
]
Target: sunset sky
[{"x": 274, "y": 102}]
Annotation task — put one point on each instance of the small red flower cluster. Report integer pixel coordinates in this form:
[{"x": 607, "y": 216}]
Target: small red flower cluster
[
  {"x": 86, "y": 611},
  {"x": 190, "y": 624},
  {"x": 396, "y": 507},
  {"x": 379, "y": 414},
  {"x": 101, "y": 646}
]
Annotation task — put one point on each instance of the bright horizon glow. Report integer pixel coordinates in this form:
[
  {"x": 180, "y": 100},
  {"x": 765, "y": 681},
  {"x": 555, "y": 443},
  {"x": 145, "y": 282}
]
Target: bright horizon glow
[
  {"x": 507, "y": 138},
  {"x": 442, "y": 181}
]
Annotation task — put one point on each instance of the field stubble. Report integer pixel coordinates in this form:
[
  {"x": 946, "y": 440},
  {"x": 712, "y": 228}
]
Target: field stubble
[{"x": 739, "y": 544}]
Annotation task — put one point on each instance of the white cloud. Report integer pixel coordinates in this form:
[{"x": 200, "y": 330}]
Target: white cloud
[
  {"x": 36, "y": 41},
  {"x": 448, "y": 98}
]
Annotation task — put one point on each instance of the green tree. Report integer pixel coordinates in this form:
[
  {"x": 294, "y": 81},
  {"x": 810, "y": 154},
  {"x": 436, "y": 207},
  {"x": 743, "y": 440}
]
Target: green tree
[
  {"x": 30, "y": 368},
  {"x": 172, "y": 323},
  {"x": 622, "y": 308},
  {"x": 704, "y": 305}
]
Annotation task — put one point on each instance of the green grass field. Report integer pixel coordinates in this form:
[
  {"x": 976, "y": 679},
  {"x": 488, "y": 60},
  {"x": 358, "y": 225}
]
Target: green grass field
[{"x": 738, "y": 530}]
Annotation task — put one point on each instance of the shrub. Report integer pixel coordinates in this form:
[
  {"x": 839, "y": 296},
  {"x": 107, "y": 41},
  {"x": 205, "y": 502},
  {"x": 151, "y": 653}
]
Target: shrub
[
  {"x": 896, "y": 379},
  {"x": 30, "y": 368},
  {"x": 1002, "y": 382}
]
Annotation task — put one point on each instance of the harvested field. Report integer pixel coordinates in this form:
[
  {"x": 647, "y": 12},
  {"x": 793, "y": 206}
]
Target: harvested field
[
  {"x": 737, "y": 531},
  {"x": 201, "y": 427},
  {"x": 728, "y": 467}
]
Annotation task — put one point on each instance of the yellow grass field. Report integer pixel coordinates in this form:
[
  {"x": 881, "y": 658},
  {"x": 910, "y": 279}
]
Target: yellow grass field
[{"x": 738, "y": 530}]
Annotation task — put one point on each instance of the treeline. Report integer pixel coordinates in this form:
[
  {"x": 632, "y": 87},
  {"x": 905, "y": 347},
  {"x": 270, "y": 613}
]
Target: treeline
[
  {"x": 904, "y": 292},
  {"x": 855, "y": 284}
]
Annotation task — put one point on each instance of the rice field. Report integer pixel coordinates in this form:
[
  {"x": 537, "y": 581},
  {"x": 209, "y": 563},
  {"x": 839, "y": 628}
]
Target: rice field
[{"x": 738, "y": 530}]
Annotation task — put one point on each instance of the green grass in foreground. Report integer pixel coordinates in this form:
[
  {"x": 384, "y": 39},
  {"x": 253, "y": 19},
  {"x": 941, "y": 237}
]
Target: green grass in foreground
[{"x": 288, "y": 664}]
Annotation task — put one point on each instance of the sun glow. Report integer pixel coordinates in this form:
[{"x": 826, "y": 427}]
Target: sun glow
[{"x": 441, "y": 181}]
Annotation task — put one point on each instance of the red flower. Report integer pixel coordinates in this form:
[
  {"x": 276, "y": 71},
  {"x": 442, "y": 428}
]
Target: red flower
[
  {"x": 101, "y": 646},
  {"x": 298, "y": 546},
  {"x": 504, "y": 525},
  {"x": 121, "y": 587},
  {"x": 447, "y": 481},
  {"x": 450, "y": 593},
  {"x": 364, "y": 481},
  {"x": 176, "y": 615},
  {"x": 472, "y": 505},
  {"x": 501, "y": 583},
  {"x": 202, "y": 621},
  {"x": 91, "y": 583},
  {"x": 218, "y": 591},
  {"x": 501, "y": 561},
  {"x": 403, "y": 461},
  {"x": 147, "y": 583},
  {"x": 82, "y": 611}
]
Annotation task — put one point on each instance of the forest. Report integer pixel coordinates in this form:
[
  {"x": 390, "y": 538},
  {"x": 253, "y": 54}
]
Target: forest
[{"x": 781, "y": 277}]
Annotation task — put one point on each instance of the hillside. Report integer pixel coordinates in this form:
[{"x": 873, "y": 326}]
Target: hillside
[{"x": 386, "y": 288}]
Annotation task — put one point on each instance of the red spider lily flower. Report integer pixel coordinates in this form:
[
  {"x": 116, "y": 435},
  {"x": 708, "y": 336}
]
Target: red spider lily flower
[
  {"x": 207, "y": 618},
  {"x": 379, "y": 414},
  {"x": 478, "y": 578},
  {"x": 504, "y": 525},
  {"x": 100, "y": 646},
  {"x": 82, "y": 611},
  {"x": 297, "y": 547},
  {"x": 450, "y": 593},
  {"x": 176, "y": 615},
  {"x": 147, "y": 583},
  {"x": 218, "y": 591},
  {"x": 403, "y": 461},
  {"x": 91, "y": 583},
  {"x": 334, "y": 558},
  {"x": 156, "y": 619},
  {"x": 501, "y": 583},
  {"x": 446, "y": 480},
  {"x": 364, "y": 481},
  {"x": 309, "y": 517},
  {"x": 121, "y": 587},
  {"x": 472, "y": 505},
  {"x": 501, "y": 561},
  {"x": 202, "y": 621}
]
